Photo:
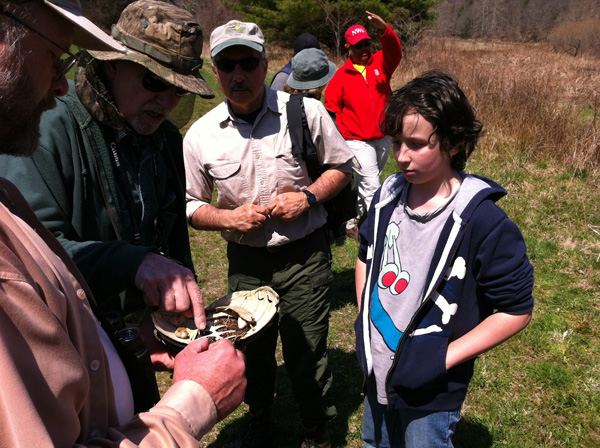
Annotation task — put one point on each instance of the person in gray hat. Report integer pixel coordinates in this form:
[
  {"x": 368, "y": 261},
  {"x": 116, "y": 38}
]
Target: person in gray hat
[
  {"x": 110, "y": 181},
  {"x": 302, "y": 42},
  {"x": 64, "y": 381},
  {"x": 271, "y": 215},
  {"x": 311, "y": 71}
]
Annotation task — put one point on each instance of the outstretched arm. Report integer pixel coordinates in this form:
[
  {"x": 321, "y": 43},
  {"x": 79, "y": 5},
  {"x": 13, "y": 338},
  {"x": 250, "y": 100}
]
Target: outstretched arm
[
  {"x": 390, "y": 44},
  {"x": 377, "y": 22}
]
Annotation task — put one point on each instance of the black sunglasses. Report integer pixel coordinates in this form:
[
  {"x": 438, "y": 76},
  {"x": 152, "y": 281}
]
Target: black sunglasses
[
  {"x": 64, "y": 65},
  {"x": 228, "y": 65},
  {"x": 156, "y": 84},
  {"x": 362, "y": 44}
]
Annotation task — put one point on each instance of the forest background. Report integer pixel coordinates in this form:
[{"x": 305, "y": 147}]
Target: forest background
[
  {"x": 531, "y": 68},
  {"x": 570, "y": 26}
]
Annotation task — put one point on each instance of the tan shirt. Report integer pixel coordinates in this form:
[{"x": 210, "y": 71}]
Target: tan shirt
[
  {"x": 56, "y": 387},
  {"x": 252, "y": 164}
]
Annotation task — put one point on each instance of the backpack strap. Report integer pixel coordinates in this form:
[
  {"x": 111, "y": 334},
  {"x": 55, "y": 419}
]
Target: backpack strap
[{"x": 300, "y": 135}]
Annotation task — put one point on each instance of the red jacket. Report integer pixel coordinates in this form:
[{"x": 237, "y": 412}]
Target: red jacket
[{"x": 357, "y": 104}]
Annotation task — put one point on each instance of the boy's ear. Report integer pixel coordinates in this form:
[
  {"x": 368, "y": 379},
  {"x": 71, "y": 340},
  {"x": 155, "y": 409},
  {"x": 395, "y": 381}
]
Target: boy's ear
[{"x": 453, "y": 152}]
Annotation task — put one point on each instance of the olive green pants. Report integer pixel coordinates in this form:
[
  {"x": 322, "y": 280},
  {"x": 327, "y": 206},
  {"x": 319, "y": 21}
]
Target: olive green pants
[{"x": 300, "y": 273}]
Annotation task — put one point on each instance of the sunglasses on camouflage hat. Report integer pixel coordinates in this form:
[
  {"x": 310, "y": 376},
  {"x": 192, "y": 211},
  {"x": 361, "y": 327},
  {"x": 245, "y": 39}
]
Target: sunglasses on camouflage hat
[{"x": 156, "y": 84}]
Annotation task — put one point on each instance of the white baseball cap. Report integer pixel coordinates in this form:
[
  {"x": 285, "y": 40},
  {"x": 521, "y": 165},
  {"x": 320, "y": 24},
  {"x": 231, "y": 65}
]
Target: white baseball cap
[
  {"x": 87, "y": 35},
  {"x": 235, "y": 32}
]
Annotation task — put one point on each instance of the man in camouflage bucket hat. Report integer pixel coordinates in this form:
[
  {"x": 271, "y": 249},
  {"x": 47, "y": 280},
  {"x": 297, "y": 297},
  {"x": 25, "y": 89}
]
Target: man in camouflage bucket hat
[
  {"x": 168, "y": 47},
  {"x": 109, "y": 178}
]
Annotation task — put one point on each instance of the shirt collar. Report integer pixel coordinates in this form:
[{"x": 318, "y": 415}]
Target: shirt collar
[{"x": 270, "y": 103}]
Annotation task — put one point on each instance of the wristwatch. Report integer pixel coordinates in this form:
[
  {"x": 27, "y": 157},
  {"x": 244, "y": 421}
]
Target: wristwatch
[{"x": 312, "y": 199}]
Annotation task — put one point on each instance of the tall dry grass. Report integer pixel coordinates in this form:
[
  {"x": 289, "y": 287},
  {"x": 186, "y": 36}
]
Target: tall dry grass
[{"x": 532, "y": 101}]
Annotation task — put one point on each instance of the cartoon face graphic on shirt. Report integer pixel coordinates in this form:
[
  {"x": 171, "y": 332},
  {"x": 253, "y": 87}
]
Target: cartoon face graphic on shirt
[
  {"x": 392, "y": 276},
  {"x": 394, "y": 279}
]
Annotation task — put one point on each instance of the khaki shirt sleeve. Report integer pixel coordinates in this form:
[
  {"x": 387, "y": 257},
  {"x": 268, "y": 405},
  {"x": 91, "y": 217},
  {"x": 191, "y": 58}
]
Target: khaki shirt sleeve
[{"x": 331, "y": 146}]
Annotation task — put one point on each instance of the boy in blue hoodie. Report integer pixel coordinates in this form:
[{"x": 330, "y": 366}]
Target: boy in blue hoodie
[{"x": 442, "y": 274}]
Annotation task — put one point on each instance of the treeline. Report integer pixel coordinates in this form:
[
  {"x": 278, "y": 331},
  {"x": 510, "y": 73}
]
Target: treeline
[
  {"x": 283, "y": 20},
  {"x": 571, "y": 26}
]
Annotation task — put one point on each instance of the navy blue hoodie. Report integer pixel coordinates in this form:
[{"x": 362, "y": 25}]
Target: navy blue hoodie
[{"x": 495, "y": 275}]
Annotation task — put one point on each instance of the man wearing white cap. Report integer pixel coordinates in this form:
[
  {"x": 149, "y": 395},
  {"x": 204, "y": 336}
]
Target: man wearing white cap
[
  {"x": 64, "y": 382},
  {"x": 271, "y": 214}
]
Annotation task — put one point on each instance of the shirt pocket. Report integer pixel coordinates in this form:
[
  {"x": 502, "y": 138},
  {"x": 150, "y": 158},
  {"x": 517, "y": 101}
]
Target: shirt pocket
[
  {"x": 290, "y": 172},
  {"x": 231, "y": 184}
]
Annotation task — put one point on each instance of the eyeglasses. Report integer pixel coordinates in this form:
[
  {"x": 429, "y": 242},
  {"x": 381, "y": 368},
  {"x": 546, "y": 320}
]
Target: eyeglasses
[
  {"x": 228, "y": 65},
  {"x": 156, "y": 84},
  {"x": 362, "y": 44},
  {"x": 63, "y": 67}
]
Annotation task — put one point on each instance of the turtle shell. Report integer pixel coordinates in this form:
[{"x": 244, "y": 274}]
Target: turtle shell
[{"x": 241, "y": 315}]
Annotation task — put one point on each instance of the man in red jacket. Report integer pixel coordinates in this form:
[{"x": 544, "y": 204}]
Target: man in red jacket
[{"x": 358, "y": 94}]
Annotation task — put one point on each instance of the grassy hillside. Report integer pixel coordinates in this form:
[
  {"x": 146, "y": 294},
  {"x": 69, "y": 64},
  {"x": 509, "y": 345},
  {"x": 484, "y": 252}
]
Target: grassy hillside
[{"x": 542, "y": 388}]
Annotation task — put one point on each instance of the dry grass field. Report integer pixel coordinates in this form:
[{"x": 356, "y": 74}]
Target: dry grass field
[
  {"x": 531, "y": 99},
  {"x": 540, "y": 112}
]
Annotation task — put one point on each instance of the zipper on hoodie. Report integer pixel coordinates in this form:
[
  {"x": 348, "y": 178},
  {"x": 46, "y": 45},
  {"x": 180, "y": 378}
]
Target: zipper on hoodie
[{"x": 412, "y": 321}]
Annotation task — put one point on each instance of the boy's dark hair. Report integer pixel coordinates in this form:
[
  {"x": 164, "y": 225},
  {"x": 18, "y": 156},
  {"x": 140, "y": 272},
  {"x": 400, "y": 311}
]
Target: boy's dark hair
[{"x": 436, "y": 96}]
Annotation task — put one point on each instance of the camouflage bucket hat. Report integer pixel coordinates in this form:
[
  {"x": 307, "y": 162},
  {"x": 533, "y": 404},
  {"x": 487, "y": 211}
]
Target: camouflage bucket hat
[{"x": 163, "y": 38}]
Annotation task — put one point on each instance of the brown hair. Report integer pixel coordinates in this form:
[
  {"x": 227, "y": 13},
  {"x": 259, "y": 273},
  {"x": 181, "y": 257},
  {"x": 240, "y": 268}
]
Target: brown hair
[
  {"x": 436, "y": 96},
  {"x": 316, "y": 93}
]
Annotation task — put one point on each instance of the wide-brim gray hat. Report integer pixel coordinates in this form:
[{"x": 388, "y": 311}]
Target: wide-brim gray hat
[
  {"x": 165, "y": 39},
  {"x": 310, "y": 69},
  {"x": 235, "y": 32},
  {"x": 86, "y": 34}
]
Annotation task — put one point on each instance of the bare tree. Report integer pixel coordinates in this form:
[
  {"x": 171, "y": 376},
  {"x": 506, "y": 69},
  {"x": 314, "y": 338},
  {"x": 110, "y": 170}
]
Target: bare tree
[
  {"x": 209, "y": 13},
  {"x": 339, "y": 16},
  {"x": 410, "y": 29}
]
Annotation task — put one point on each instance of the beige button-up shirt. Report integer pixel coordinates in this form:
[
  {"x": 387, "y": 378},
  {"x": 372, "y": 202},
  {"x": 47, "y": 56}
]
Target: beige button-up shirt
[{"x": 253, "y": 163}]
